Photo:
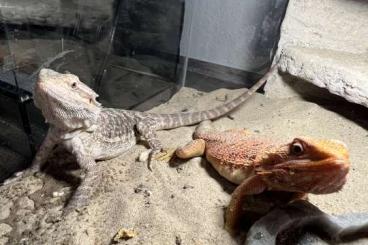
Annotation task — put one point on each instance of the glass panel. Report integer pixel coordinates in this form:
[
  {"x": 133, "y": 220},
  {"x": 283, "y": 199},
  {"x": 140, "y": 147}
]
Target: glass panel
[
  {"x": 146, "y": 49},
  {"x": 125, "y": 50},
  {"x": 230, "y": 43}
]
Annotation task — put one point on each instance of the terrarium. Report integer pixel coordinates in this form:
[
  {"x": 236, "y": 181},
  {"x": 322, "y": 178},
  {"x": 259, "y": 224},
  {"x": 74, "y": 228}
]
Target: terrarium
[{"x": 183, "y": 122}]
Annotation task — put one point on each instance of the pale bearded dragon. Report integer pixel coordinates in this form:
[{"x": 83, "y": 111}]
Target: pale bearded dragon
[
  {"x": 259, "y": 163},
  {"x": 91, "y": 132}
]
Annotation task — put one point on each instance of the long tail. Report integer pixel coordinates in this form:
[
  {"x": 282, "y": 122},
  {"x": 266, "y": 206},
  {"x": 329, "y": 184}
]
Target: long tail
[{"x": 182, "y": 119}]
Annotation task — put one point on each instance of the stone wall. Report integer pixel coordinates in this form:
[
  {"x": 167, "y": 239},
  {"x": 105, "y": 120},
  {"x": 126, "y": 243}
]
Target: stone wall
[{"x": 323, "y": 43}]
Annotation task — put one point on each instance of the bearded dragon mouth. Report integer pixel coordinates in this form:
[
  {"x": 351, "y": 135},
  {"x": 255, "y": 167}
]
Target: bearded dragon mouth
[
  {"x": 305, "y": 175},
  {"x": 313, "y": 165}
]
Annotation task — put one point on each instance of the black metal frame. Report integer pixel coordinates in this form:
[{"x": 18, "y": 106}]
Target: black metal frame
[{"x": 22, "y": 98}]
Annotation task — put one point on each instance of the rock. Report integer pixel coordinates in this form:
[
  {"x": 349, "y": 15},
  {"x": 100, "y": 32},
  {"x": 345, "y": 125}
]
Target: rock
[
  {"x": 5, "y": 229},
  {"x": 178, "y": 240},
  {"x": 341, "y": 73},
  {"x": 187, "y": 187},
  {"x": 147, "y": 193},
  {"x": 139, "y": 188},
  {"x": 20, "y": 187},
  {"x": 26, "y": 224},
  {"x": 5, "y": 205},
  {"x": 34, "y": 184},
  {"x": 125, "y": 234},
  {"x": 4, "y": 240},
  {"x": 321, "y": 43},
  {"x": 329, "y": 24},
  {"x": 24, "y": 241},
  {"x": 16, "y": 188},
  {"x": 26, "y": 203},
  {"x": 57, "y": 195}
]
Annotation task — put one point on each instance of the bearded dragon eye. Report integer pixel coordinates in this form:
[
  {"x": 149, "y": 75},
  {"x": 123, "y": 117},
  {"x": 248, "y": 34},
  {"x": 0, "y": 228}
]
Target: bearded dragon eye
[
  {"x": 296, "y": 148},
  {"x": 74, "y": 85}
]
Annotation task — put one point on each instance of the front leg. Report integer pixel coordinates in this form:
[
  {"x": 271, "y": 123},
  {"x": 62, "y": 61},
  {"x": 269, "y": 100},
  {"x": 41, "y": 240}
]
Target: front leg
[
  {"x": 194, "y": 148},
  {"x": 234, "y": 211},
  {"x": 90, "y": 182},
  {"x": 51, "y": 139}
]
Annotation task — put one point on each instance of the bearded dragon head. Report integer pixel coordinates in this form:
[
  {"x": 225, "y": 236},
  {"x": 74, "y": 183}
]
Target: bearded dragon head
[
  {"x": 306, "y": 165},
  {"x": 65, "y": 101}
]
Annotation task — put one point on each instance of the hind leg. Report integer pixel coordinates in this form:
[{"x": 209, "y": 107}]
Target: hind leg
[{"x": 147, "y": 129}]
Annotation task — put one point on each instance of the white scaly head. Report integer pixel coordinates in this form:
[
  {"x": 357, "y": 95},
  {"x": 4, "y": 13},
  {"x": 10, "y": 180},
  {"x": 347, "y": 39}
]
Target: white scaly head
[{"x": 65, "y": 101}]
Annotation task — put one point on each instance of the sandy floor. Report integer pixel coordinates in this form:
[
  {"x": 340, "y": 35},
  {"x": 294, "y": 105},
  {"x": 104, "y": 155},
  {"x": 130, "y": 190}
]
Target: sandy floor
[{"x": 182, "y": 202}]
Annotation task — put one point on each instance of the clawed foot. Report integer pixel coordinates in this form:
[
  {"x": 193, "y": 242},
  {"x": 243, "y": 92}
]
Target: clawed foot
[
  {"x": 161, "y": 155},
  {"x": 21, "y": 174},
  {"x": 164, "y": 155}
]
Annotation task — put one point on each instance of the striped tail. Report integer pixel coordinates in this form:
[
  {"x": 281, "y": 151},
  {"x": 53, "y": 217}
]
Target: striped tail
[{"x": 168, "y": 121}]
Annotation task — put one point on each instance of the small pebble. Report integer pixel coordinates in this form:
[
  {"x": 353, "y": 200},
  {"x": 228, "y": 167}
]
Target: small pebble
[
  {"x": 20, "y": 173},
  {"x": 139, "y": 188},
  {"x": 6, "y": 205},
  {"x": 222, "y": 98},
  {"x": 258, "y": 236},
  {"x": 58, "y": 194},
  {"x": 53, "y": 219},
  {"x": 179, "y": 169},
  {"x": 188, "y": 187},
  {"x": 4, "y": 240},
  {"x": 147, "y": 193},
  {"x": 143, "y": 157},
  {"x": 24, "y": 241},
  {"x": 125, "y": 234},
  {"x": 178, "y": 240},
  {"x": 26, "y": 203},
  {"x": 147, "y": 204},
  {"x": 5, "y": 229}
]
